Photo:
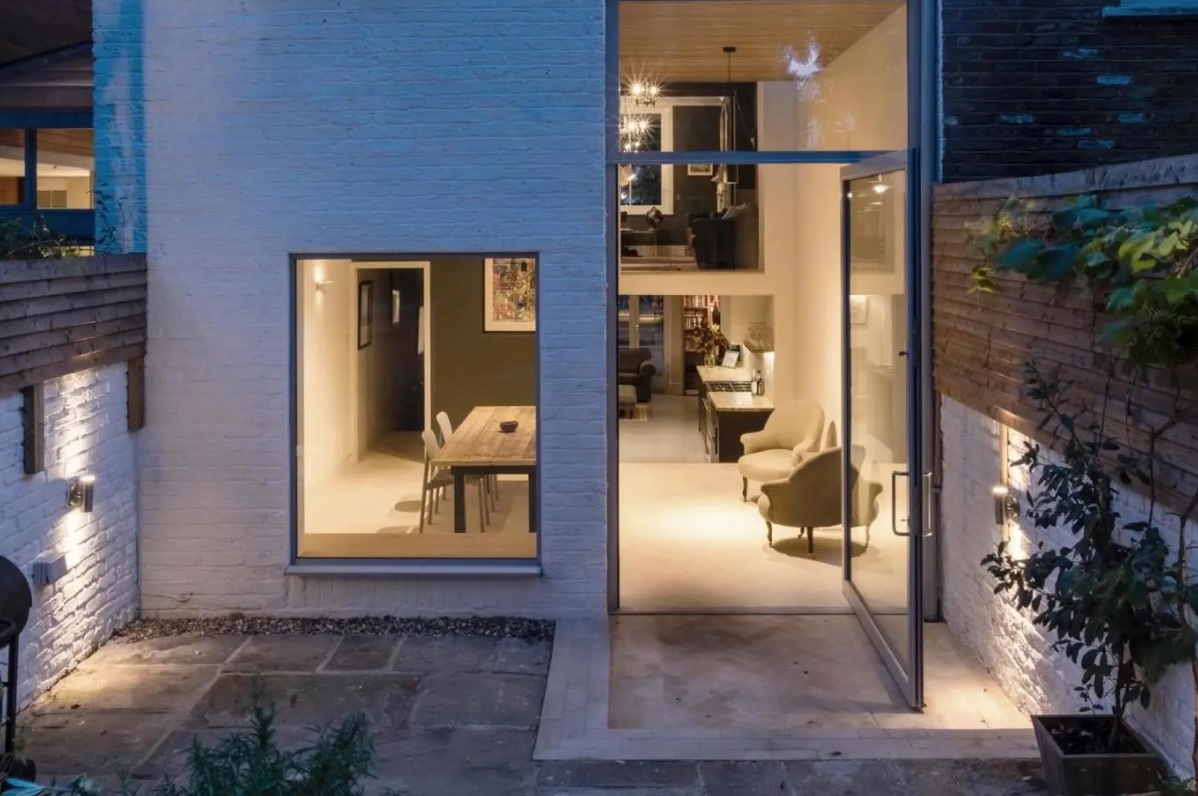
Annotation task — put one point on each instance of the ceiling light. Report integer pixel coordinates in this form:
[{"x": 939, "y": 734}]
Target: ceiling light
[{"x": 881, "y": 188}]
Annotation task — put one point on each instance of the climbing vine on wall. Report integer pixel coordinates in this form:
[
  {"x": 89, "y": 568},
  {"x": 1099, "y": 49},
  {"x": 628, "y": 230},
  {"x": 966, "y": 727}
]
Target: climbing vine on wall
[{"x": 1139, "y": 261}]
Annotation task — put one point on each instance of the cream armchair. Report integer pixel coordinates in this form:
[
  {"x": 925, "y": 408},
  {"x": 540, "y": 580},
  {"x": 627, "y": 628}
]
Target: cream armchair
[
  {"x": 791, "y": 434},
  {"x": 810, "y": 497}
]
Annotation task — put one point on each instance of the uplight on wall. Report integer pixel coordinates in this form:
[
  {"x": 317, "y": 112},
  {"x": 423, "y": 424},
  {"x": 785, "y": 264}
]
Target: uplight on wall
[
  {"x": 81, "y": 494},
  {"x": 321, "y": 283},
  {"x": 1006, "y": 505}
]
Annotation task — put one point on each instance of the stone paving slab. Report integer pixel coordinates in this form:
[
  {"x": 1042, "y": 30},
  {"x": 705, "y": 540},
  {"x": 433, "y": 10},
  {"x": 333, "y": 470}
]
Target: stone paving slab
[
  {"x": 517, "y": 656},
  {"x": 444, "y": 761},
  {"x": 461, "y": 720},
  {"x": 446, "y": 655},
  {"x": 497, "y": 700},
  {"x": 77, "y": 743},
  {"x": 168, "y": 650},
  {"x": 308, "y": 700},
  {"x": 283, "y": 654},
  {"x": 152, "y": 688},
  {"x": 363, "y": 654}
]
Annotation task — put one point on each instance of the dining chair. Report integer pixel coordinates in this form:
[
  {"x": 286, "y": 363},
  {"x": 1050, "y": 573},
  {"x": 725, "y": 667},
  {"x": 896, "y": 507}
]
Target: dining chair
[
  {"x": 437, "y": 479},
  {"x": 445, "y": 427}
]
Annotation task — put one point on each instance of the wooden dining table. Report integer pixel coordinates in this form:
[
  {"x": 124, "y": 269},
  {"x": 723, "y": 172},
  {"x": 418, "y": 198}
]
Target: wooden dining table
[{"x": 478, "y": 447}]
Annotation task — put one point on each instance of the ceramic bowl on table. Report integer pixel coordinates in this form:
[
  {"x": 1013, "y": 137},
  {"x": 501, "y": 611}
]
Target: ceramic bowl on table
[{"x": 508, "y": 426}]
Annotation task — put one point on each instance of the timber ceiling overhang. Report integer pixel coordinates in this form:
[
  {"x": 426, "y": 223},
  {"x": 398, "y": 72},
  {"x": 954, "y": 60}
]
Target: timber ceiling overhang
[{"x": 670, "y": 41}]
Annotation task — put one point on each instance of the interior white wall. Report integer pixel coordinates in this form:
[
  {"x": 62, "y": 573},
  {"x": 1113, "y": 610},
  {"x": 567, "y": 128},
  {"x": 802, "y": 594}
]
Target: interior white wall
[
  {"x": 328, "y": 337},
  {"x": 859, "y": 100}
]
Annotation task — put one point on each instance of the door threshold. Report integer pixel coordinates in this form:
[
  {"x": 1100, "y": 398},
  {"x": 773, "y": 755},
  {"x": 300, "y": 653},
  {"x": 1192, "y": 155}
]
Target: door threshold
[{"x": 736, "y": 611}]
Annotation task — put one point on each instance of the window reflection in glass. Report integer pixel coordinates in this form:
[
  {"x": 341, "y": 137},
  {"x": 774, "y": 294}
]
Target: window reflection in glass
[
  {"x": 12, "y": 166},
  {"x": 65, "y": 169}
]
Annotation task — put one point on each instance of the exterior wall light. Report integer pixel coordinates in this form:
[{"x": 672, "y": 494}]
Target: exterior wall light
[
  {"x": 1006, "y": 505},
  {"x": 81, "y": 494}
]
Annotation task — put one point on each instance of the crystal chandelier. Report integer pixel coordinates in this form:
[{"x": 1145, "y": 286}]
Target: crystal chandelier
[
  {"x": 633, "y": 132},
  {"x": 643, "y": 93}
]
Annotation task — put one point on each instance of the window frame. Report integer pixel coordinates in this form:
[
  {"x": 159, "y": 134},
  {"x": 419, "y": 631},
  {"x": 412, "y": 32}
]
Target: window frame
[
  {"x": 392, "y": 565},
  {"x": 1141, "y": 9},
  {"x": 79, "y": 225}
]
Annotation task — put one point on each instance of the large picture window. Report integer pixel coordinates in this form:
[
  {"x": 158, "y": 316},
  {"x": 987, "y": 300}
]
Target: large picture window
[{"x": 416, "y": 423}]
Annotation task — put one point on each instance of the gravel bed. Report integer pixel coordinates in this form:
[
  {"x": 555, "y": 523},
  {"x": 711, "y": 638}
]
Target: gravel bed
[{"x": 238, "y": 624}]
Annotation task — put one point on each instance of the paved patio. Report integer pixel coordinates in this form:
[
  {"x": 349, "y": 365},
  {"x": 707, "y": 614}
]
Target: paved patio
[{"x": 451, "y": 716}]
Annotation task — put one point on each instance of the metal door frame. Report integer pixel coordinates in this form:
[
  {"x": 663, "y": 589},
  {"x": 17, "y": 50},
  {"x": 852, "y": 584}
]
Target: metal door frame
[{"x": 910, "y": 678}]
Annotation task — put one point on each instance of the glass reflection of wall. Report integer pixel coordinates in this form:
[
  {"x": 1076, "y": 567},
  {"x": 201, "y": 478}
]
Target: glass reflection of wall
[
  {"x": 383, "y": 349},
  {"x": 65, "y": 169},
  {"x": 12, "y": 166}
]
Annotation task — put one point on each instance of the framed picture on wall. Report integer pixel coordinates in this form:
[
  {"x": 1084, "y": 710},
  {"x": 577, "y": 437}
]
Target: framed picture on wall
[
  {"x": 365, "y": 313},
  {"x": 858, "y": 310},
  {"x": 699, "y": 170},
  {"x": 510, "y": 294}
]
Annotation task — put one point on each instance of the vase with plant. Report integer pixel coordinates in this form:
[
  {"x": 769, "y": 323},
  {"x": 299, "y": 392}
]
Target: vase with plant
[
  {"x": 1113, "y": 598},
  {"x": 710, "y": 340}
]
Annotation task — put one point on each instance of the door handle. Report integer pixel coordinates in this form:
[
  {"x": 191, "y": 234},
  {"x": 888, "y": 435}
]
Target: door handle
[
  {"x": 931, "y": 494},
  {"x": 894, "y": 477}
]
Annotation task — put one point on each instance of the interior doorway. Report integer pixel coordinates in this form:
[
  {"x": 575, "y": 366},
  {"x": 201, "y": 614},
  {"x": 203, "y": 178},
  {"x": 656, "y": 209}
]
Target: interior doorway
[{"x": 812, "y": 429}]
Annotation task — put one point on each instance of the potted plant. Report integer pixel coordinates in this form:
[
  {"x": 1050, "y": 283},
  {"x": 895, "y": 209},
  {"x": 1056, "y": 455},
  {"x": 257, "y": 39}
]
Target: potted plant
[{"x": 1114, "y": 598}]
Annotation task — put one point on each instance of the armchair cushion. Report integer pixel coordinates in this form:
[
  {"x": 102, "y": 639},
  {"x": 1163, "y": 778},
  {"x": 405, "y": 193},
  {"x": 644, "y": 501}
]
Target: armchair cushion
[
  {"x": 809, "y": 497},
  {"x": 766, "y": 465}
]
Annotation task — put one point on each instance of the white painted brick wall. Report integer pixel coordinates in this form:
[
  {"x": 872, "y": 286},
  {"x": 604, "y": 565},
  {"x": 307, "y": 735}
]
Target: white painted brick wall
[
  {"x": 262, "y": 128},
  {"x": 86, "y": 432},
  {"x": 1017, "y": 653}
]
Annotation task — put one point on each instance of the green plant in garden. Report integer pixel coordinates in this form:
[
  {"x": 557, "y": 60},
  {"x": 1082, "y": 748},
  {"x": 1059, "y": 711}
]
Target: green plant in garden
[
  {"x": 1115, "y": 597},
  {"x": 250, "y": 763},
  {"x": 31, "y": 239},
  {"x": 1139, "y": 261}
]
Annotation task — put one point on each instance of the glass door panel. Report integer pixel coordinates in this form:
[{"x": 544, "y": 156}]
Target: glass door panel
[{"x": 883, "y": 540}]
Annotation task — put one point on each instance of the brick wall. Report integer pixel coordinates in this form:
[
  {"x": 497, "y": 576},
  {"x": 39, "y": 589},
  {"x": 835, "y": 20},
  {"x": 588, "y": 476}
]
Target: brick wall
[
  {"x": 266, "y": 129},
  {"x": 981, "y": 343},
  {"x": 1016, "y": 652},
  {"x": 1039, "y": 86},
  {"x": 85, "y": 433}
]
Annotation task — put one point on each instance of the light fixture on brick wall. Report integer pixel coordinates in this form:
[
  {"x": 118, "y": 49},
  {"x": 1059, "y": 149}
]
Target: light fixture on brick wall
[
  {"x": 1006, "y": 505},
  {"x": 81, "y": 494}
]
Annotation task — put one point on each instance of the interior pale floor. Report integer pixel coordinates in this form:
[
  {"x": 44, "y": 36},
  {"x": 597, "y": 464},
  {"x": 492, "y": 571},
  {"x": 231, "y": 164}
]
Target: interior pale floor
[
  {"x": 372, "y": 508},
  {"x": 689, "y": 543}
]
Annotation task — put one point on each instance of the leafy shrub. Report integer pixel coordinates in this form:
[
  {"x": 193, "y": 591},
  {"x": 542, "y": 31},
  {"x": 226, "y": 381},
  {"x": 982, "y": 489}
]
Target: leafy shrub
[{"x": 250, "y": 763}]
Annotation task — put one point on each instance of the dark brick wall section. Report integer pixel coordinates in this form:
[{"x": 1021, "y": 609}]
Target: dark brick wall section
[{"x": 1041, "y": 86}]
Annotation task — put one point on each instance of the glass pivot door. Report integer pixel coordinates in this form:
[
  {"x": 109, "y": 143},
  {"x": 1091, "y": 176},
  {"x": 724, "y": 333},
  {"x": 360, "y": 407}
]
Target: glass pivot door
[{"x": 881, "y": 334}]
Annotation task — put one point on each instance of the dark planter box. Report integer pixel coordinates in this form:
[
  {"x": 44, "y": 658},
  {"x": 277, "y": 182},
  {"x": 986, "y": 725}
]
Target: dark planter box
[{"x": 1095, "y": 775}]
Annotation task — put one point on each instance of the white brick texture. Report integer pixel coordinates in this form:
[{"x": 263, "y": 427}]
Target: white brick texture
[
  {"x": 243, "y": 131},
  {"x": 86, "y": 432},
  {"x": 1018, "y": 654}
]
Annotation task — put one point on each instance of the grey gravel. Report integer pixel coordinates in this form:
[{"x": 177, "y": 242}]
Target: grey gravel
[{"x": 239, "y": 624}]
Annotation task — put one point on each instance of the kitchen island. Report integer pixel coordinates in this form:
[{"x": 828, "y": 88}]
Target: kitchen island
[{"x": 727, "y": 409}]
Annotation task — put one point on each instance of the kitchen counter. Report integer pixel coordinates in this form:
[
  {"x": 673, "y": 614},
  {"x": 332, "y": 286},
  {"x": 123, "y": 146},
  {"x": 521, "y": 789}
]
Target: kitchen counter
[
  {"x": 739, "y": 402},
  {"x": 721, "y": 373}
]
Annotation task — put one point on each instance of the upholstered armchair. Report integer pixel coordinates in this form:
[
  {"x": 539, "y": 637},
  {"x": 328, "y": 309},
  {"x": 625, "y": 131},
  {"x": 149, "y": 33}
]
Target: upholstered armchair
[
  {"x": 634, "y": 368},
  {"x": 810, "y": 497},
  {"x": 792, "y": 433}
]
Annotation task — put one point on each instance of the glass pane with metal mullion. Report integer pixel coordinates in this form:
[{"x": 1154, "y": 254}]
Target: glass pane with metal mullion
[
  {"x": 30, "y": 169},
  {"x": 742, "y": 158}
]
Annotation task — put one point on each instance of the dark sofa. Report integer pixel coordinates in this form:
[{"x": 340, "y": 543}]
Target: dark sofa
[
  {"x": 726, "y": 240},
  {"x": 633, "y": 367}
]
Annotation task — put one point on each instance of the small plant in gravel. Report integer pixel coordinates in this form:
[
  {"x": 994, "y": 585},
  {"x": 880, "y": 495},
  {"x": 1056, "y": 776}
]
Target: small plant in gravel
[{"x": 250, "y": 763}]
